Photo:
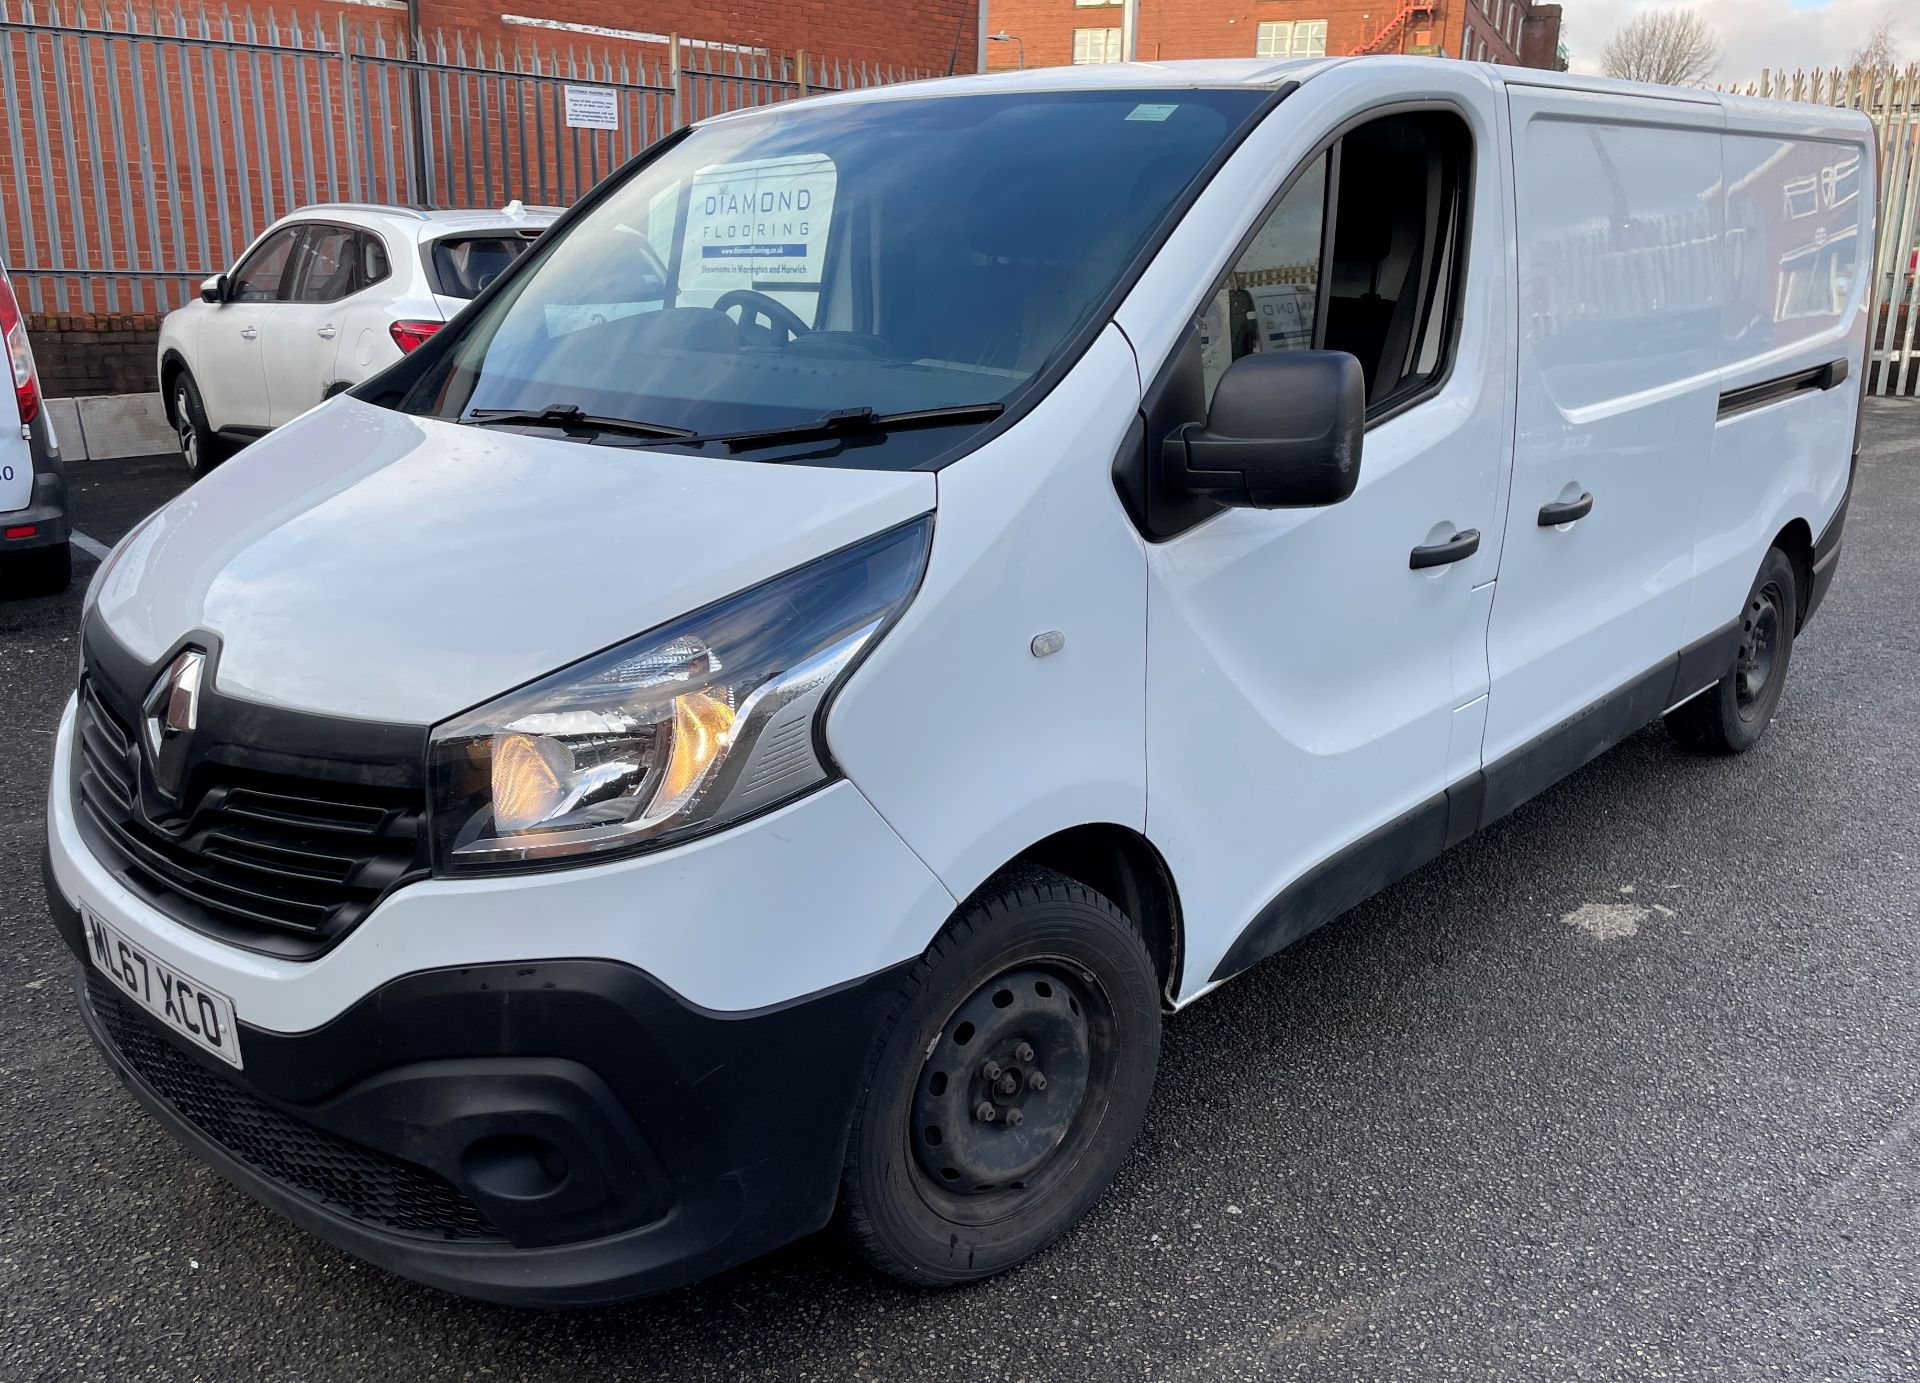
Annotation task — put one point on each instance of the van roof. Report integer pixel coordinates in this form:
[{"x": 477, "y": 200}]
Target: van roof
[
  {"x": 1265, "y": 72},
  {"x": 1109, "y": 76}
]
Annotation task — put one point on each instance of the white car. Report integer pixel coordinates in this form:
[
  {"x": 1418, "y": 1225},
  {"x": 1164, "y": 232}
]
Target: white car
[
  {"x": 36, "y": 555},
  {"x": 324, "y": 299},
  {"x": 685, "y": 757}
]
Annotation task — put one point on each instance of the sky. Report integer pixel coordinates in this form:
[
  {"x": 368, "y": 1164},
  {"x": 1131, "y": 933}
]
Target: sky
[{"x": 1756, "y": 34}]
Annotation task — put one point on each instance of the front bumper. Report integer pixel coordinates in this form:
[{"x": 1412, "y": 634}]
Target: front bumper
[
  {"x": 561, "y": 1134},
  {"x": 557, "y": 1089}
]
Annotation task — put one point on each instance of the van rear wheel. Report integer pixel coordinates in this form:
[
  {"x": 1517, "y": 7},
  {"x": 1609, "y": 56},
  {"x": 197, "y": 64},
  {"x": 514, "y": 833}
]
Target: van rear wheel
[
  {"x": 1011, "y": 1080},
  {"x": 1731, "y": 716}
]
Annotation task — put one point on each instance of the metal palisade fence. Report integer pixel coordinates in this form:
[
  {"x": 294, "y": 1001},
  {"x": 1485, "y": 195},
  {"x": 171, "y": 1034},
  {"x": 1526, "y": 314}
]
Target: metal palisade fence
[
  {"x": 143, "y": 150},
  {"x": 1891, "y": 96}
]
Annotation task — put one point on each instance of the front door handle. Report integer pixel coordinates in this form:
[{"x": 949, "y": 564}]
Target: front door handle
[
  {"x": 1565, "y": 511},
  {"x": 1455, "y": 549},
  {"x": 248, "y": 333},
  {"x": 327, "y": 333}
]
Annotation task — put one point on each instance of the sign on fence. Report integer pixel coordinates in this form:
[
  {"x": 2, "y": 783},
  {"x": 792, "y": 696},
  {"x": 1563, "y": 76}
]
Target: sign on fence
[{"x": 593, "y": 108}]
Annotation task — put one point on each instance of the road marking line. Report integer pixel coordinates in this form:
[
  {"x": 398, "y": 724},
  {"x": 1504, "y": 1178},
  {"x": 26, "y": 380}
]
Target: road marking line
[{"x": 97, "y": 551}]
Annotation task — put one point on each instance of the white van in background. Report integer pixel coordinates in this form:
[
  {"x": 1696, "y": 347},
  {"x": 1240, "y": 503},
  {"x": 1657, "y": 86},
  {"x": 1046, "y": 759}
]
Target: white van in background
[
  {"x": 36, "y": 557},
  {"x": 756, "y": 721},
  {"x": 326, "y": 297}
]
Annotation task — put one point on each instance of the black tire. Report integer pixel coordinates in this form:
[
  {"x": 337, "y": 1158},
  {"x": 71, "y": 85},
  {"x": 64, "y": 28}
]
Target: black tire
[
  {"x": 1033, "y": 970},
  {"x": 1731, "y": 716},
  {"x": 45, "y": 571},
  {"x": 200, "y": 445}
]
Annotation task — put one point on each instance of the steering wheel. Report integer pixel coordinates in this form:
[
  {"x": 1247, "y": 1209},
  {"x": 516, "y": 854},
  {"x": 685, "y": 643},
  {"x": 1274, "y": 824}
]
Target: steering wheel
[{"x": 754, "y": 304}]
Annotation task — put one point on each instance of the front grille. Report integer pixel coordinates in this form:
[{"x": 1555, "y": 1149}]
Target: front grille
[
  {"x": 282, "y": 864},
  {"x": 358, "y": 1182}
]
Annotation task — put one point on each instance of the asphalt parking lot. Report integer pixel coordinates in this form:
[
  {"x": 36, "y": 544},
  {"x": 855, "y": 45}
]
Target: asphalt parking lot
[{"x": 1628, "y": 1087}]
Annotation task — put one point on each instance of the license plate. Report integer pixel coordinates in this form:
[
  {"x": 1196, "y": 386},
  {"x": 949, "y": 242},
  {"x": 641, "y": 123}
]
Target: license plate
[{"x": 201, "y": 1015}]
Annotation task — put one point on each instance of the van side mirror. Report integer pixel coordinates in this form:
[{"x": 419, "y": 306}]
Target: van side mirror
[
  {"x": 214, "y": 290},
  {"x": 1283, "y": 432}
]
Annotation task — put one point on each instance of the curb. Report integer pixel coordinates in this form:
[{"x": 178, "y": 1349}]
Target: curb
[{"x": 111, "y": 427}]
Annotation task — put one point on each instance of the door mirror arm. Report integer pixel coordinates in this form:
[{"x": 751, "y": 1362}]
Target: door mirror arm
[{"x": 1284, "y": 431}]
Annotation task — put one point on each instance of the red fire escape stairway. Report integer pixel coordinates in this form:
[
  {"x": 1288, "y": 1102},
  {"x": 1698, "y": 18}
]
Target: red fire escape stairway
[{"x": 1394, "y": 26}]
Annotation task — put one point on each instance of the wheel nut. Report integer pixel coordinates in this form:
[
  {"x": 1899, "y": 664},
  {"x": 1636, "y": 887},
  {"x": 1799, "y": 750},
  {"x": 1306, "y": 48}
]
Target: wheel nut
[
  {"x": 1007, "y": 1084},
  {"x": 1023, "y": 1053},
  {"x": 1014, "y": 1117},
  {"x": 1037, "y": 1081},
  {"x": 984, "y": 1112},
  {"x": 991, "y": 1071}
]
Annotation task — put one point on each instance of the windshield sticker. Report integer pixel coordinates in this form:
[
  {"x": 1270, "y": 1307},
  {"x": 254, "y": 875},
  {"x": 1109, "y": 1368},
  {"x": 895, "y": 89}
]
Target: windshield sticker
[
  {"x": 760, "y": 225},
  {"x": 1151, "y": 112}
]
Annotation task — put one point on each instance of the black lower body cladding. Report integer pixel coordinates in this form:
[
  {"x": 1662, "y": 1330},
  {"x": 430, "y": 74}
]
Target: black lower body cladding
[{"x": 557, "y": 1133}]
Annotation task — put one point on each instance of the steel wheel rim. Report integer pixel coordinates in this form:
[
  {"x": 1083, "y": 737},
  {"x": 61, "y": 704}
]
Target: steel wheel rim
[
  {"x": 978, "y": 1171},
  {"x": 1759, "y": 657}
]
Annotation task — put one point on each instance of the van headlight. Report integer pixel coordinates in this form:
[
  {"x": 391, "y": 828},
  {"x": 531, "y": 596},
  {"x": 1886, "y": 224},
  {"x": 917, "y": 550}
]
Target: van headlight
[{"x": 701, "y": 722}]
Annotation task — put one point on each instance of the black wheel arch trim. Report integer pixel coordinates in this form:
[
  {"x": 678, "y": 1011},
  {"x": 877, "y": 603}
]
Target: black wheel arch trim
[{"x": 172, "y": 366}]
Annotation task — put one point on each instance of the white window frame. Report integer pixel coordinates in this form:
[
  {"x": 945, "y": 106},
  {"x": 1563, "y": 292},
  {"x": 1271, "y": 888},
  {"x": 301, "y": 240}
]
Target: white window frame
[
  {"x": 1084, "y": 41},
  {"x": 1295, "y": 38}
]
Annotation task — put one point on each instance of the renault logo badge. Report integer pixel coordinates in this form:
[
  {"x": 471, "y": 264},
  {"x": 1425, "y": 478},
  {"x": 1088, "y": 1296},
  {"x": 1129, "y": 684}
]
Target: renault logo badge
[{"x": 173, "y": 713}]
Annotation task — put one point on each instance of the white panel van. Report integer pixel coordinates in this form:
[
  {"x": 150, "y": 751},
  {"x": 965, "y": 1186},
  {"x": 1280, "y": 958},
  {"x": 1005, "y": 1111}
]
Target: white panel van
[{"x": 754, "y": 723}]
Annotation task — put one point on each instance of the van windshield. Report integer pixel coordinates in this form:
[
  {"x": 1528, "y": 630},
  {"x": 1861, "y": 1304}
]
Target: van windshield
[{"x": 892, "y": 257}]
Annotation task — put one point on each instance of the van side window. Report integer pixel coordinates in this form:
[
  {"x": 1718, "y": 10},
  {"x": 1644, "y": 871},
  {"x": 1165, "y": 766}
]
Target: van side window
[
  {"x": 1382, "y": 286},
  {"x": 1268, "y": 301}
]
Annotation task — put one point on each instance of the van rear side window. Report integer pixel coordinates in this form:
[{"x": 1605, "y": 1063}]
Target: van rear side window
[{"x": 464, "y": 265}]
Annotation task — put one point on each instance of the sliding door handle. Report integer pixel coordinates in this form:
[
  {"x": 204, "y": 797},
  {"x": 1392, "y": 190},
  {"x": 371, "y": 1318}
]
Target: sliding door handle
[
  {"x": 1565, "y": 511},
  {"x": 1455, "y": 549}
]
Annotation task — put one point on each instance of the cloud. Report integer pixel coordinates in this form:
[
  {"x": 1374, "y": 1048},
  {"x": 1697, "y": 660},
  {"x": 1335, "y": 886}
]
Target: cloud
[{"x": 1757, "y": 34}]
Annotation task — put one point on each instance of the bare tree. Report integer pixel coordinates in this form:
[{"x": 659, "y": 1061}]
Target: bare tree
[
  {"x": 1673, "y": 47},
  {"x": 1879, "y": 50}
]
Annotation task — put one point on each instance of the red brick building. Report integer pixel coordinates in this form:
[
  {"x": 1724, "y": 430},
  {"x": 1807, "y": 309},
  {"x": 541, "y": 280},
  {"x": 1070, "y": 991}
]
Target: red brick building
[
  {"x": 931, "y": 36},
  {"x": 1052, "y": 32}
]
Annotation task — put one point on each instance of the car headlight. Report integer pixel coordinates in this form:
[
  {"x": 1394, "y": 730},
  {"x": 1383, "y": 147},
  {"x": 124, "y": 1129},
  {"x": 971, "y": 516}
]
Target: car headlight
[{"x": 697, "y": 724}]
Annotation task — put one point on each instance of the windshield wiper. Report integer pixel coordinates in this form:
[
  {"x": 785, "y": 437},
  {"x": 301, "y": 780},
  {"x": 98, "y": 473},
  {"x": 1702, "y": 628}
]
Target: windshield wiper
[
  {"x": 846, "y": 422},
  {"x": 570, "y": 417}
]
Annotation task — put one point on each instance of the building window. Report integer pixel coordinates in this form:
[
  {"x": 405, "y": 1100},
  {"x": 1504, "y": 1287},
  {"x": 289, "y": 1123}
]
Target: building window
[
  {"x": 1095, "y": 4},
  {"x": 1096, "y": 45},
  {"x": 1305, "y": 38}
]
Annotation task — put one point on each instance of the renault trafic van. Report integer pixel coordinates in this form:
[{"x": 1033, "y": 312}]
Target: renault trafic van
[{"x": 756, "y": 721}]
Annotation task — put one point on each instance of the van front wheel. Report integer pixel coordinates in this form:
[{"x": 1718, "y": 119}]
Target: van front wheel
[
  {"x": 1012, "y": 1078},
  {"x": 1731, "y": 716}
]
